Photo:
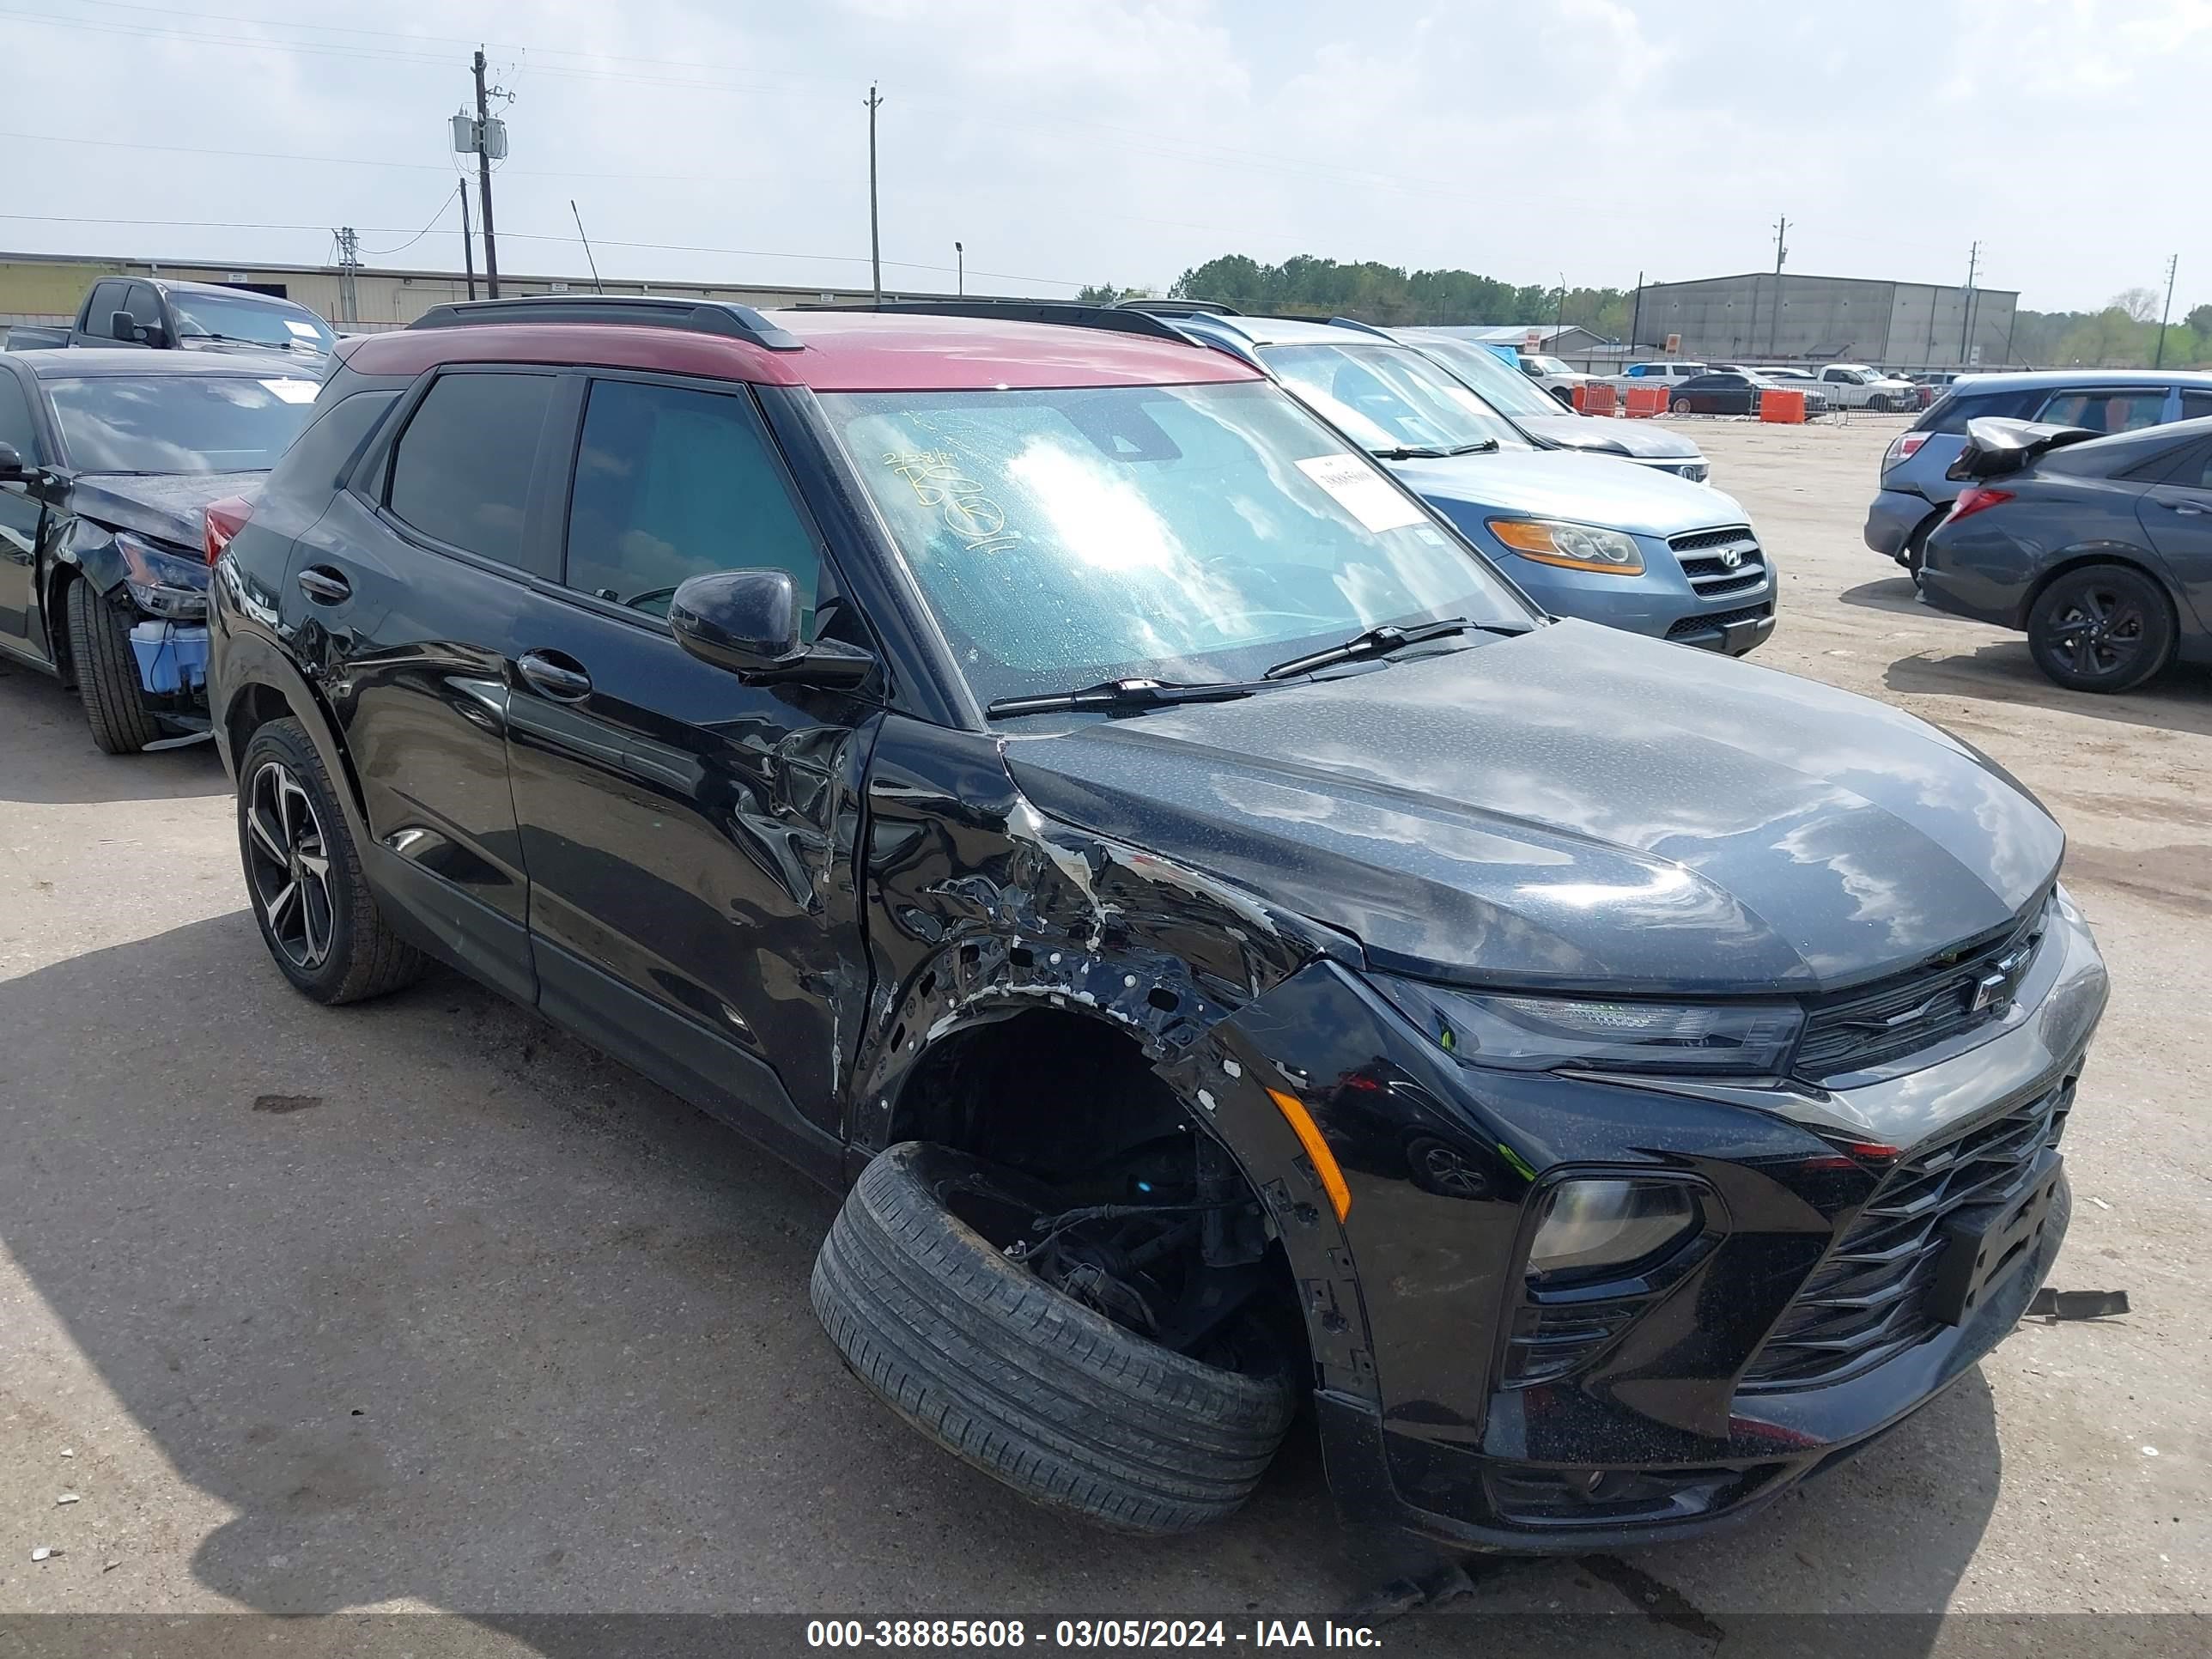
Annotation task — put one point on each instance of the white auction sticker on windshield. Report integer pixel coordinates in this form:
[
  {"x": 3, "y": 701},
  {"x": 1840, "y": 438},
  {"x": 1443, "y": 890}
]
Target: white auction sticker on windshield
[
  {"x": 293, "y": 391},
  {"x": 303, "y": 330},
  {"x": 1360, "y": 491}
]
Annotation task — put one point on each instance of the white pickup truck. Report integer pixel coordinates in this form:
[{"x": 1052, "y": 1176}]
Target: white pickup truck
[{"x": 1854, "y": 386}]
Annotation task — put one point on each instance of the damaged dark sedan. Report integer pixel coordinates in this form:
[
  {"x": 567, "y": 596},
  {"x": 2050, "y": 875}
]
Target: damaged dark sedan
[
  {"x": 1229, "y": 947},
  {"x": 108, "y": 461}
]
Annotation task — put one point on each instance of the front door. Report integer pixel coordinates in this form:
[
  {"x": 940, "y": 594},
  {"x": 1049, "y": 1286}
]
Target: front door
[
  {"x": 2177, "y": 516},
  {"x": 405, "y": 595},
  {"x": 22, "y": 518},
  {"x": 689, "y": 837}
]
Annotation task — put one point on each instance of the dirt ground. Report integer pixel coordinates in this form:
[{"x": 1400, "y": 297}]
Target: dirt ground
[{"x": 421, "y": 1306}]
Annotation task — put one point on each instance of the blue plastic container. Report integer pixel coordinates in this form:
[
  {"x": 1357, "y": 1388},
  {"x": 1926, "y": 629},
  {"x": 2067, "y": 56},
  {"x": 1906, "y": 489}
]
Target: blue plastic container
[{"x": 170, "y": 659}]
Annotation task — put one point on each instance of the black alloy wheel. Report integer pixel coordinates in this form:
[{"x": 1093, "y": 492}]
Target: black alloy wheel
[
  {"x": 2103, "y": 628},
  {"x": 288, "y": 865}
]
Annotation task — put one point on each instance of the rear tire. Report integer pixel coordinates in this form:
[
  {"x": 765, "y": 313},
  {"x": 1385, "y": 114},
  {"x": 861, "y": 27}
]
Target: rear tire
[
  {"x": 2101, "y": 628},
  {"x": 1679, "y": 406},
  {"x": 107, "y": 671},
  {"x": 1038, "y": 1391},
  {"x": 316, "y": 912}
]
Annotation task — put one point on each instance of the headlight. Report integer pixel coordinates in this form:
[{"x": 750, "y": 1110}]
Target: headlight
[
  {"x": 1609, "y": 1223},
  {"x": 164, "y": 584},
  {"x": 1533, "y": 1034},
  {"x": 1570, "y": 546}
]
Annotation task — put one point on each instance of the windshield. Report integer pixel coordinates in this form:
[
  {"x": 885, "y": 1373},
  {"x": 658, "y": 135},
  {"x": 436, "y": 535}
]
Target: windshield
[
  {"x": 179, "y": 422},
  {"x": 1501, "y": 386},
  {"x": 1187, "y": 533},
  {"x": 248, "y": 316},
  {"x": 1389, "y": 398},
  {"x": 1550, "y": 365}
]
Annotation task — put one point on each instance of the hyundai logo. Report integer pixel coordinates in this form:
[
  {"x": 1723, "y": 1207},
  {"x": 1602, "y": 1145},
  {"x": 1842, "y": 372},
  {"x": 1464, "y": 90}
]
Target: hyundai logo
[{"x": 1731, "y": 558}]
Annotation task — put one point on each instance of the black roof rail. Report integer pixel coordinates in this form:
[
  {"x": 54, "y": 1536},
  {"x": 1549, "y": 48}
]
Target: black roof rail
[
  {"x": 1066, "y": 312},
  {"x": 729, "y": 320},
  {"x": 1178, "y": 308},
  {"x": 1365, "y": 328}
]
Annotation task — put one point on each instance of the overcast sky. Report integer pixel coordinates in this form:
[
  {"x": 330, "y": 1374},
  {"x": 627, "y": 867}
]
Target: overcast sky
[{"x": 1123, "y": 141}]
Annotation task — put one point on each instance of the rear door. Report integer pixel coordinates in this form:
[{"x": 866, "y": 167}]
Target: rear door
[
  {"x": 689, "y": 837},
  {"x": 22, "y": 516},
  {"x": 2176, "y": 515},
  {"x": 405, "y": 595}
]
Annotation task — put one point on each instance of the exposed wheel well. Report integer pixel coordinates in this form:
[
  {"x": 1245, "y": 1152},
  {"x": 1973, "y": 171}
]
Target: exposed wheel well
[
  {"x": 1051, "y": 1094},
  {"x": 2082, "y": 562},
  {"x": 54, "y": 618},
  {"x": 254, "y": 708}
]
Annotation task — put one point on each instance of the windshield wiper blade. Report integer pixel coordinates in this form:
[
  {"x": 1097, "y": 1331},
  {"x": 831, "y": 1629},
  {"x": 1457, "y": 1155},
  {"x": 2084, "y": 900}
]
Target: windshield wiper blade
[
  {"x": 1480, "y": 446},
  {"x": 1120, "y": 696},
  {"x": 1375, "y": 642},
  {"x": 1409, "y": 453}
]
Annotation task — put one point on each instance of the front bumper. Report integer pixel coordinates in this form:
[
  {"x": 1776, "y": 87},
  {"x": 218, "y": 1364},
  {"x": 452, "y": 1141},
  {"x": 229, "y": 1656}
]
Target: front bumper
[
  {"x": 1658, "y": 1434},
  {"x": 1661, "y": 603}
]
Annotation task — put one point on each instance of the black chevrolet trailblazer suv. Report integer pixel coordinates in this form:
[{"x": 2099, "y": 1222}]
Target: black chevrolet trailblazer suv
[{"x": 1229, "y": 948}]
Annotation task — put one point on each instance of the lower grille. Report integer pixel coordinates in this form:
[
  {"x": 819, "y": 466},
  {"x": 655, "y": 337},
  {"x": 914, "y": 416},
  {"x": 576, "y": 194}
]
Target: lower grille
[
  {"x": 1597, "y": 1497},
  {"x": 1868, "y": 1299},
  {"x": 1689, "y": 626}
]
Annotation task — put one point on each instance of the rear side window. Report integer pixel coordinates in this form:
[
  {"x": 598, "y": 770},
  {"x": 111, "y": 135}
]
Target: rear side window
[
  {"x": 1951, "y": 413},
  {"x": 2106, "y": 410},
  {"x": 672, "y": 483},
  {"x": 106, "y": 300},
  {"x": 312, "y": 466},
  {"x": 2195, "y": 405},
  {"x": 461, "y": 471}
]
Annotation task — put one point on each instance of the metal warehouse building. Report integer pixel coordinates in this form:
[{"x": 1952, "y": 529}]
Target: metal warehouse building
[
  {"x": 42, "y": 287},
  {"x": 1760, "y": 316}
]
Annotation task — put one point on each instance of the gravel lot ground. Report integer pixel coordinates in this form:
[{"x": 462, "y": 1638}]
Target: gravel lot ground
[{"x": 489, "y": 1325}]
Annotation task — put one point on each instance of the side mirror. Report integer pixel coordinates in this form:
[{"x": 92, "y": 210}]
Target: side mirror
[
  {"x": 747, "y": 622},
  {"x": 122, "y": 325},
  {"x": 12, "y": 468}
]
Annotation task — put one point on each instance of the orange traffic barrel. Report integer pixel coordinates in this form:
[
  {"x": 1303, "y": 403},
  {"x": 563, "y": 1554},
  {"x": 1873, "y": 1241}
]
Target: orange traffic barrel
[{"x": 1788, "y": 407}]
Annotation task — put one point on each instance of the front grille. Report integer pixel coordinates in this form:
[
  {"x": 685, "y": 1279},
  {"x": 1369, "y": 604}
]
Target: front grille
[
  {"x": 1537, "y": 1497},
  {"x": 1721, "y": 562},
  {"x": 1867, "y": 1300},
  {"x": 1914, "y": 1011},
  {"x": 1690, "y": 626}
]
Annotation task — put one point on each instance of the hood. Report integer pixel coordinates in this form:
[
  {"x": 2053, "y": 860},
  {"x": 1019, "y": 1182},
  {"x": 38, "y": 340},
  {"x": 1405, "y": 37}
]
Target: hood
[
  {"x": 1575, "y": 808},
  {"x": 1585, "y": 432},
  {"x": 1550, "y": 484},
  {"x": 163, "y": 505}
]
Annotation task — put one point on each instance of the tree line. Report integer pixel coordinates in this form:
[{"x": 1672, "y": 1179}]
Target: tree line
[{"x": 2124, "y": 333}]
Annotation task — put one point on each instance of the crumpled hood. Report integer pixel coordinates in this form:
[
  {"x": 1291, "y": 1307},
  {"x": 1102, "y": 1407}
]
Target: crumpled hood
[
  {"x": 1553, "y": 484},
  {"x": 1574, "y": 808},
  {"x": 165, "y": 505},
  {"x": 1614, "y": 437}
]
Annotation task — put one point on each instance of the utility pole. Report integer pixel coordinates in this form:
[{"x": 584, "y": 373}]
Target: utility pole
[
  {"x": 1966, "y": 309},
  {"x": 2172, "y": 266},
  {"x": 587, "y": 241},
  {"x": 875, "y": 238},
  {"x": 1781, "y": 252},
  {"x": 960, "y": 265},
  {"x": 1636, "y": 317},
  {"x": 468, "y": 237},
  {"x": 484, "y": 179},
  {"x": 1559, "y": 323},
  {"x": 348, "y": 262}
]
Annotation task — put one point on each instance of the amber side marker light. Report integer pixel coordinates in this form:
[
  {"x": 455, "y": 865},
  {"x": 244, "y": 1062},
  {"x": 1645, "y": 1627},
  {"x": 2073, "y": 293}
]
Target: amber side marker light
[{"x": 1324, "y": 1162}]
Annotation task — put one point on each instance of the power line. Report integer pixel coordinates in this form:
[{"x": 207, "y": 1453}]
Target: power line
[{"x": 383, "y": 252}]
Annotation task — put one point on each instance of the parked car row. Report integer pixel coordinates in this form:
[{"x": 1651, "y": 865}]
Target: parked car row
[{"x": 1095, "y": 800}]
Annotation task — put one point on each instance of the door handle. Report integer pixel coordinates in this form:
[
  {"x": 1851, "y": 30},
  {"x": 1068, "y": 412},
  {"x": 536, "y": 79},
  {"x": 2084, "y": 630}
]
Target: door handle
[
  {"x": 557, "y": 677},
  {"x": 2188, "y": 509},
  {"x": 325, "y": 586}
]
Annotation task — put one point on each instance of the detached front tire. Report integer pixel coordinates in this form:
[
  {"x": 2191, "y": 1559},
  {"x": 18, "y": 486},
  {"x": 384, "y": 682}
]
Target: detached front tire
[
  {"x": 1034, "y": 1389},
  {"x": 107, "y": 671}
]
